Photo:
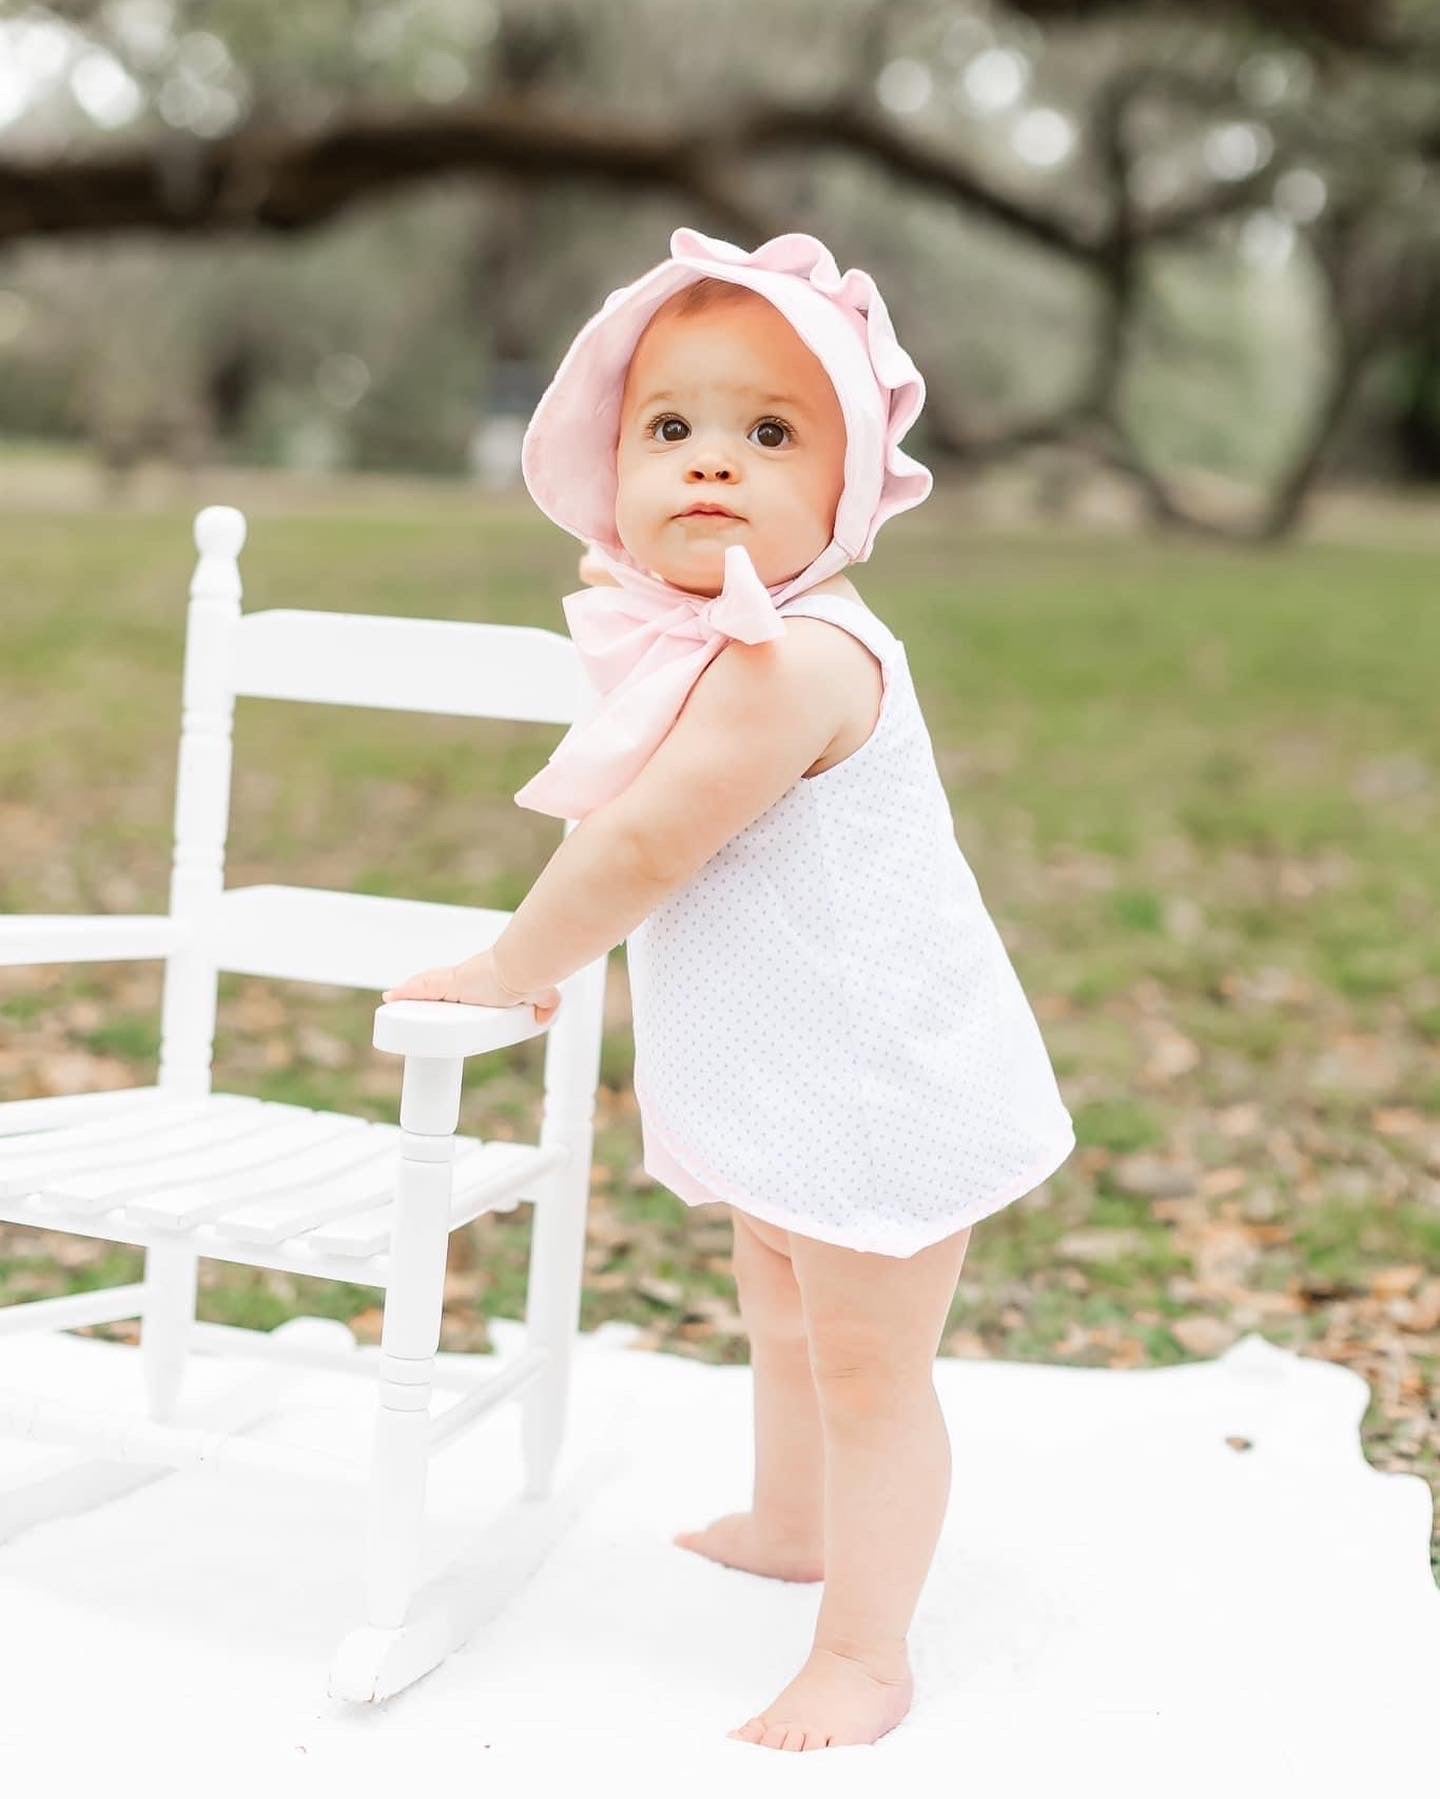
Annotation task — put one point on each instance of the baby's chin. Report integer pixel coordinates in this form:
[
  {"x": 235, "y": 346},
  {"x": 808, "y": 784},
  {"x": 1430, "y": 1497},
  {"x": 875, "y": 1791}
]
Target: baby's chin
[{"x": 701, "y": 571}]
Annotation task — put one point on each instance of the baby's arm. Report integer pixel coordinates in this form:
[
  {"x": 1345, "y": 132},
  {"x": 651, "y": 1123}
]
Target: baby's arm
[{"x": 758, "y": 716}]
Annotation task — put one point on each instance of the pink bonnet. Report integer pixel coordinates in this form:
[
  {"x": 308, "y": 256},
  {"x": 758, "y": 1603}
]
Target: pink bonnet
[{"x": 568, "y": 453}]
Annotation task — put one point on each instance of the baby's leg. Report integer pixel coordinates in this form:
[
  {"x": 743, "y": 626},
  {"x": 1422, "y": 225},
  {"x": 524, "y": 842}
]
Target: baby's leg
[
  {"x": 783, "y": 1533},
  {"x": 874, "y": 1324}
]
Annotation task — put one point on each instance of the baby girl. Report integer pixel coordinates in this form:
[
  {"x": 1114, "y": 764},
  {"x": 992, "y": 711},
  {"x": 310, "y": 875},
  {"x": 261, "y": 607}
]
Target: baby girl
[{"x": 829, "y": 1036}]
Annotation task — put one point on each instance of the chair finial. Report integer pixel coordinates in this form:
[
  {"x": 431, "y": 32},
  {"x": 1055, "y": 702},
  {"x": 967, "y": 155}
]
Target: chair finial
[{"x": 220, "y": 531}]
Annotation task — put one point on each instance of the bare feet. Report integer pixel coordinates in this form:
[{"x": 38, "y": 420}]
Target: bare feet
[
  {"x": 835, "y": 1699},
  {"x": 739, "y": 1542}
]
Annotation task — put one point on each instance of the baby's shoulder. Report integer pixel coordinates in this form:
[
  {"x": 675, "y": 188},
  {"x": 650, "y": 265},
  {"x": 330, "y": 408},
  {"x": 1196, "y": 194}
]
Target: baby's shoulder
[
  {"x": 841, "y": 634},
  {"x": 826, "y": 644},
  {"x": 847, "y": 670}
]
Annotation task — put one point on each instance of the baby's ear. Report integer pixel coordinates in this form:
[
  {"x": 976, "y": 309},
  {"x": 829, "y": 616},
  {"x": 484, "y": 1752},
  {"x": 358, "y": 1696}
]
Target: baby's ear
[{"x": 593, "y": 573}]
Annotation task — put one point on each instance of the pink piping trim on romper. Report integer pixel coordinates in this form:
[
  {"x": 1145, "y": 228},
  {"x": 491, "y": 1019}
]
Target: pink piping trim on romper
[{"x": 1039, "y": 1170}]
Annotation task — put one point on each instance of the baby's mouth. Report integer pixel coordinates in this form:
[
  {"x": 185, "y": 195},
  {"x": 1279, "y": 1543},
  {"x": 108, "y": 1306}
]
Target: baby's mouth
[{"x": 709, "y": 509}]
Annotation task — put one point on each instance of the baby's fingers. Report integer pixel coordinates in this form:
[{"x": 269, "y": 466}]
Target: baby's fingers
[
  {"x": 430, "y": 983},
  {"x": 594, "y": 573}
]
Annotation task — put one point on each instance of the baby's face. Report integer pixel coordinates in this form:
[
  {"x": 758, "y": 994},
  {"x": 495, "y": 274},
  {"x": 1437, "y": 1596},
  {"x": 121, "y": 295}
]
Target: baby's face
[{"x": 727, "y": 408}]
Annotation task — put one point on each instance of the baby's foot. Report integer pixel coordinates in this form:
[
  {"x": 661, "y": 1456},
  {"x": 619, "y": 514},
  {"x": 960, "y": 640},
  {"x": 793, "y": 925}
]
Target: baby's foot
[
  {"x": 835, "y": 1699},
  {"x": 739, "y": 1541}
]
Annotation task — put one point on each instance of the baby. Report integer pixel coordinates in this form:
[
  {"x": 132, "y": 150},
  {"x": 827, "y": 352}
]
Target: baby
[{"x": 829, "y": 1036}]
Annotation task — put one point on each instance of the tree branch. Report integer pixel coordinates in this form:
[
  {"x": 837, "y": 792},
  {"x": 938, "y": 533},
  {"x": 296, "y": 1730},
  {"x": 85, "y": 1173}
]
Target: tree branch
[
  {"x": 1341, "y": 24},
  {"x": 272, "y": 178}
]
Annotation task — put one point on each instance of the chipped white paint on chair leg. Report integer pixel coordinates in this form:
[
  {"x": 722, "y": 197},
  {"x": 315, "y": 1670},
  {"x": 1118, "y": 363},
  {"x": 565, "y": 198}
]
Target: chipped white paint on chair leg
[
  {"x": 557, "y": 1232},
  {"x": 410, "y": 1335}
]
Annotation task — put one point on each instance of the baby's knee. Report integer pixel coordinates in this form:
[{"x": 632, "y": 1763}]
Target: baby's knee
[{"x": 860, "y": 1366}]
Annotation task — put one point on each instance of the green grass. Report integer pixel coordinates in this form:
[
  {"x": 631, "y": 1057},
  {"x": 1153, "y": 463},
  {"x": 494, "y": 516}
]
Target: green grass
[{"x": 1198, "y": 786}]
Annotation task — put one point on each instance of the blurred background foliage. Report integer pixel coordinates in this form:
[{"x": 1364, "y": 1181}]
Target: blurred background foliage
[{"x": 1194, "y": 246}]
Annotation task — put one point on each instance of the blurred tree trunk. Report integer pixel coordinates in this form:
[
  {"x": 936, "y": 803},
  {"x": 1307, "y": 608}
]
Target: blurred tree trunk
[{"x": 1417, "y": 418}]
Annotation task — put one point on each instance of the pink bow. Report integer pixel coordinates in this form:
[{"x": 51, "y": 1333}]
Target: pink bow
[{"x": 643, "y": 647}]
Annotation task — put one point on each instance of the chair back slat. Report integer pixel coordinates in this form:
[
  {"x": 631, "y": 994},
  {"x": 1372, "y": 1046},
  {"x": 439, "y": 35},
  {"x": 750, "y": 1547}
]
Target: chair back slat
[
  {"x": 341, "y": 939},
  {"x": 468, "y": 668}
]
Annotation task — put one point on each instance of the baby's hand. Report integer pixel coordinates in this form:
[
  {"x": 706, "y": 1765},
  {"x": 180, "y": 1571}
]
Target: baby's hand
[
  {"x": 593, "y": 574},
  {"x": 474, "y": 982}
]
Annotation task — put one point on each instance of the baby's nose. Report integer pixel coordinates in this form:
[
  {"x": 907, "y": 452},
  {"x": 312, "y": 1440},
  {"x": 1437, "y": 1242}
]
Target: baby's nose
[{"x": 711, "y": 465}]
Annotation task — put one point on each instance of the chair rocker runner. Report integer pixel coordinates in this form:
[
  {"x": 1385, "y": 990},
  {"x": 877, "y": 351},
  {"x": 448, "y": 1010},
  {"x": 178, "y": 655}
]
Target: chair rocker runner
[{"x": 185, "y": 1172}]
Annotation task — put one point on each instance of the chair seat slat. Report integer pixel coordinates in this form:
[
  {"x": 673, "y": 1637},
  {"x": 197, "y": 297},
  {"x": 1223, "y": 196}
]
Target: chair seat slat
[
  {"x": 143, "y": 1121},
  {"x": 279, "y": 1216},
  {"x": 359, "y": 1223},
  {"x": 209, "y": 1186},
  {"x": 31, "y": 1174},
  {"x": 501, "y": 1168},
  {"x": 205, "y": 1200},
  {"x": 74, "y": 1108},
  {"x": 262, "y": 1145}
]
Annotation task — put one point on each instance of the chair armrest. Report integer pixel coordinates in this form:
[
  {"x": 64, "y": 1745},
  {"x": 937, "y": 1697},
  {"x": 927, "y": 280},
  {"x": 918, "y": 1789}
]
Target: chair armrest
[
  {"x": 59, "y": 937},
  {"x": 445, "y": 1028}
]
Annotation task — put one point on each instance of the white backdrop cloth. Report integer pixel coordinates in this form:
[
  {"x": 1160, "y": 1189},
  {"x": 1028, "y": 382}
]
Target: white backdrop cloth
[{"x": 1121, "y": 1602}]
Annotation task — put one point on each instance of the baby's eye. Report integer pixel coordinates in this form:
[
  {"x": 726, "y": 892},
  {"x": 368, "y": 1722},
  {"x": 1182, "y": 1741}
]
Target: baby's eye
[
  {"x": 779, "y": 433},
  {"x": 666, "y": 434}
]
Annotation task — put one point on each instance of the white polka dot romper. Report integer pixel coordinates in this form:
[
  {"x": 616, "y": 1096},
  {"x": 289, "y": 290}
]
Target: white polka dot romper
[{"x": 829, "y": 1033}]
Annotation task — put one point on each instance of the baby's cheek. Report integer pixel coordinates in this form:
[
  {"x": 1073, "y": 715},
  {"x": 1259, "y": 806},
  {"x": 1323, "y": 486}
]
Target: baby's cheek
[
  {"x": 630, "y": 512},
  {"x": 809, "y": 516},
  {"x": 638, "y": 496}
]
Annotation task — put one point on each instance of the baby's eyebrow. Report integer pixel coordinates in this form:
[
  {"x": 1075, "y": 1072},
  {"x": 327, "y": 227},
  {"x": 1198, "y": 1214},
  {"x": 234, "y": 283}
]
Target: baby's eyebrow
[{"x": 791, "y": 400}]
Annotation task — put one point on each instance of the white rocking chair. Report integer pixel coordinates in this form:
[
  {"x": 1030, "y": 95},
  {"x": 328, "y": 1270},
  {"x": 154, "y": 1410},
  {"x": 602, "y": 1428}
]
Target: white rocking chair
[{"x": 185, "y": 1172}]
